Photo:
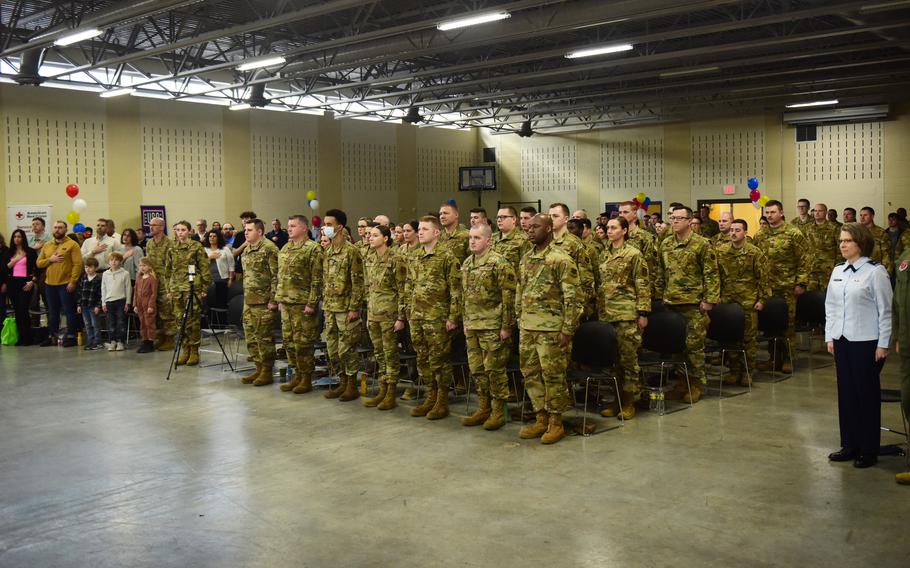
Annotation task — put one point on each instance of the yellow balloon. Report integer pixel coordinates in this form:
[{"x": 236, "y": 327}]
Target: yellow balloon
[
  {"x": 311, "y": 194},
  {"x": 640, "y": 197},
  {"x": 763, "y": 200},
  {"x": 72, "y": 217}
]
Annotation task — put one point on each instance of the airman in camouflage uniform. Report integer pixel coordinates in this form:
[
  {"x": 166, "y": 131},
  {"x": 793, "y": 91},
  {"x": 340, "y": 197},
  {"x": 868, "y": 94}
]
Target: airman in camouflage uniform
[
  {"x": 488, "y": 292},
  {"x": 624, "y": 300},
  {"x": 157, "y": 250},
  {"x": 362, "y": 244},
  {"x": 824, "y": 241},
  {"x": 644, "y": 241},
  {"x": 181, "y": 255},
  {"x": 803, "y": 220},
  {"x": 342, "y": 299},
  {"x": 299, "y": 291},
  {"x": 385, "y": 278},
  {"x": 548, "y": 310},
  {"x": 454, "y": 237},
  {"x": 709, "y": 227},
  {"x": 511, "y": 242},
  {"x": 688, "y": 283},
  {"x": 787, "y": 253},
  {"x": 743, "y": 281},
  {"x": 260, "y": 284},
  {"x": 433, "y": 294},
  {"x": 881, "y": 251},
  {"x": 572, "y": 246},
  {"x": 723, "y": 235}
]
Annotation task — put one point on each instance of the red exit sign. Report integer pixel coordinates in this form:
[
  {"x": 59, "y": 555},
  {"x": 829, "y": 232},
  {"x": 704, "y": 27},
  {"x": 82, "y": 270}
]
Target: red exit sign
[{"x": 729, "y": 189}]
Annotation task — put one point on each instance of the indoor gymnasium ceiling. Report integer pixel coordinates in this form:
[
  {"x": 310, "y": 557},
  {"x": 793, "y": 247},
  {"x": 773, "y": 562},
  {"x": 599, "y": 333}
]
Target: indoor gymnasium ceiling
[{"x": 388, "y": 59}]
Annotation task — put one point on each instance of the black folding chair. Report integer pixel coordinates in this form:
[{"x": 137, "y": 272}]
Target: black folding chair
[
  {"x": 726, "y": 331},
  {"x": 664, "y": 342}
]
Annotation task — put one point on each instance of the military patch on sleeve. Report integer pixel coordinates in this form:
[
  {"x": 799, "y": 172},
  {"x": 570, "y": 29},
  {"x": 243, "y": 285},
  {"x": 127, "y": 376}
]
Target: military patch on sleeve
[{"x": 903, "y": 266}]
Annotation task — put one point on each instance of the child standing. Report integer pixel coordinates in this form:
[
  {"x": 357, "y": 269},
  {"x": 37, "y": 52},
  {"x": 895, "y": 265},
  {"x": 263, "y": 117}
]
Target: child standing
[
  {"x": 116, "y": 297},
  {"x": 145, "y": 298},
  {"x": 90, "y": 304}
]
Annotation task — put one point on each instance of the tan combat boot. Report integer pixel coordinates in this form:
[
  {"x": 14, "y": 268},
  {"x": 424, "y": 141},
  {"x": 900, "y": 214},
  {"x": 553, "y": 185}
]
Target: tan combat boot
[
  {"x": 265, "y": 374},
  {"x": 410, "y": 393},
  {"x": 555, "y": 432},
  {"x": 193, "y": 359},
  {"x": 248, "y": 380},
  {"x": 628, "y": 405},
  {"x": 902, "y": 478},
  {"x": 389, "y": 402},
  {"x": 380, "y": 396},
  {"x": 291, "y": 385},
  {"x": 497, "y": 418},
  {"x": 696, "y": 394},
  {"x": 441, "y": 408},
  {"x": 350, "y": 390},
  {"x": 428, "y": 403},
  {"x": 612, "y": 409},
  {"x": 167, "y": 343},
  {"x": 184, "y": 355},
  {"x": 481, "y": 414},
  {"x": 537, "y": 429},
  {"x": 340, "y": 388}
]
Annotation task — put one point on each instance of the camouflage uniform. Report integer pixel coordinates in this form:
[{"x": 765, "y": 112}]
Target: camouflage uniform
[
  {"x": 803, "y": 226},
  {"x": 881, "y": 252},
  {"x": 547, "y": 304},
  {"x": 646, "y": 243},
  {"x": 709, "y": 228},
  {"x": 687, "y": 275},
  {"x": 342, "y": 277},
  {"x": 578, "y": 252},
  {"x": 824, "y": 242},
  {"x": 744, "y": 281},
  {"x": 384, "y": 280},
  {"x": 433, "y": 296},
  {"x": 179, "y": 257},
  {"x": 720, "y": 239},
  {"x": 787, "y": 253},
  {"x": 260, "y": 283},
  {"x": 488, "y": 289},
  {"x": 456, "y": 242},
  {"x": 299, "y": 286},
  {"x": 513, "y": 246},
  {"x": 624, "y": 294},
  {"x": 157, "y": 253},
  {"x": 363, "y": 247}
]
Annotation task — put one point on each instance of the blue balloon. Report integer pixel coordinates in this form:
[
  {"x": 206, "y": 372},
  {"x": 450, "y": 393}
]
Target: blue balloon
[
  {"x": 451, "y": 202},
  {"x": 78, "y": 228},
  {"x": 753, "y": 183}
]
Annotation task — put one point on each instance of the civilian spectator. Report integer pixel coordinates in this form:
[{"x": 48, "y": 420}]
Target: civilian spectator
[
  {"x": 202, "y": 230},
  {"x": 132, "y": 253},
  {"x": 39, "y": 236},
  {"x": 109, "y": 231},
  {"x": 63, "y": 262},
  {"x": 89, "y": 304},
  {"x": 277, "y": 235},
  {"x": 100, "y": 246},
  {"x": 116, "y": 299},
  {"x": 19, "y": 265},
  {"x": 221, "y": 265}
]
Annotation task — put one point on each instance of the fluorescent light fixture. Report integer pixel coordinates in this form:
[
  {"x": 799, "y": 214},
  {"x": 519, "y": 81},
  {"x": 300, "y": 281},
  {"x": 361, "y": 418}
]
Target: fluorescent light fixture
[
  {"x": 71, "y": 86},
  {"x": 117, "y": 92},
  {"x": 599, "y": 50},
  {"x": 241, "y": 106},
  {"x": 260, "y": 63},
  {"x": 472, "y": 20},
  {"x": 206, "y": 101},
  {"x": 76, "y": 37},
  {"x": 152, "y": 95},
  {"x": 7, "y": 80},
  {"x": 813, "y": 104},
  {"x": 694, "y": 71}
]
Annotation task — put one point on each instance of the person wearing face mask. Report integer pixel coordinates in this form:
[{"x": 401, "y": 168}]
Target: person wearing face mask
[
  {"x": 185, "y": 253},
  {"x": 342, "y": 272}
]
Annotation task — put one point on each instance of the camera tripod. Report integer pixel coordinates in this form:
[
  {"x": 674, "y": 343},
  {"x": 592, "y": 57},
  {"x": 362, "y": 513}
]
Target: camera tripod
[{"x": 181, "y": 333}]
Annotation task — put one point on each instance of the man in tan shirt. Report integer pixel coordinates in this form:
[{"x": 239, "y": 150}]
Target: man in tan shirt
[{"x": 63, "y": 261}]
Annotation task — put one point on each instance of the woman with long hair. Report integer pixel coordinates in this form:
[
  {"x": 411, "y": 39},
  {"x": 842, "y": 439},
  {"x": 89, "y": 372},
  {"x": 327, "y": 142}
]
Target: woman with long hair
[
  {"x": 623, "y": 300},
  {"x": 19, "y": 265},
  {"x": 132, "y": 253},
  {"x": 221, "y": 266},
  {"x": 384, "y": 278}
]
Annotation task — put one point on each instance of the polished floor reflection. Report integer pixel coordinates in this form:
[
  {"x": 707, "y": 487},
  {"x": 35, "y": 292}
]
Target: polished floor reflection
[{"x": 104, "y": 463}]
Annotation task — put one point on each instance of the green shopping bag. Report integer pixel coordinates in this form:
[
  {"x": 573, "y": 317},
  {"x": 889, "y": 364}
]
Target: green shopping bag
[{"x": 10, "y": 333}]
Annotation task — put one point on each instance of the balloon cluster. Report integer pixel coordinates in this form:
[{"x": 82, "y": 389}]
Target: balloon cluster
[
  {"x": 758, "y": 200},
  {"x": 79, "y": 205},
  {"x": 311, "y": 199},
  {"x": 642, "y": 201},
  {"x": 451, "y": 202}
]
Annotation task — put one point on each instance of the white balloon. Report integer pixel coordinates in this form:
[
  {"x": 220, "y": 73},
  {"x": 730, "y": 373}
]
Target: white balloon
[
  {"x": 79, "y": 205},
  {"x": 314, "y": 204}
]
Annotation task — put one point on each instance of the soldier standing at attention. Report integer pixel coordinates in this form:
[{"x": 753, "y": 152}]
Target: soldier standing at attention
[
  {"x": 488, "y": 290},
  {"x": 644, "y": 241},
  {"x": 454, "y": 236},
  {"x": 572, "y": 246},
  {"x": 881, "y": 252},
  {"x": 577, "y": 227},
  {"x": 260, "y": 284},
  {"x": 823, "y": 237},
  {"x": 743, "y": 281},
  {"x": 709, "y": 226},
  {"x": 787, "y": 253},
  {"x": 157, "y": 250},
  {"x": 849, "y": 215},
  {"x": 524, "y": 216},
  {"x": 900, "y": 312},
  {"x": 624, "y": 300},
  {"x": 299, "y": 291},
  {"x": 688, "y": 283},
  {"x": 434, "y": 309},
  {"x": 511, "y": 242},
  {"x": 342, "y": 298},
  {"x": 363, "y": 242},
  {"x": 723, "y": 223},
  {"x": 184, "y": 253},
  {"x": 803, "y": 220},
  {"x": 385, "y": 274},
  {"x": 548, "y": 310}
]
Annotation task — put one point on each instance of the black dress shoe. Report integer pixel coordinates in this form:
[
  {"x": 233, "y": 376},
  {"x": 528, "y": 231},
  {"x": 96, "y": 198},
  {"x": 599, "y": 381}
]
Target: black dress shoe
[
  {"x": 843, "y": 455},
  {"x": 865, "y": 461}
]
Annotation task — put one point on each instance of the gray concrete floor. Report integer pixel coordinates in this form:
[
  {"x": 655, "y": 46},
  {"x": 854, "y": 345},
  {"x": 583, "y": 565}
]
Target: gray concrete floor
[{"x": 103, "y": 463}]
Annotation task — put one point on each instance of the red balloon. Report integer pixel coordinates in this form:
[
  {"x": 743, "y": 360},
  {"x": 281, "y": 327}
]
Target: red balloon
[
  {"x": 754, "y": 195},
  {"x": 72, "y": 190}
]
